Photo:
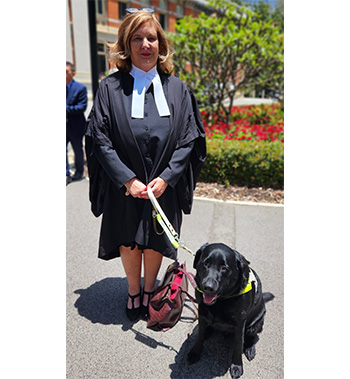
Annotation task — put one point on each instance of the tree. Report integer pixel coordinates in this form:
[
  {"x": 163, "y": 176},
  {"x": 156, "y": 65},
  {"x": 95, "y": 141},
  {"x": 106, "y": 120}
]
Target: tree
[
  {"x": 266, "y": 13},
  {"x": 271, "y": 85},
  {"x": 278, "y": 14},
  {"x": 262, "y": 8},
  {"x": 229, "y": 50}
]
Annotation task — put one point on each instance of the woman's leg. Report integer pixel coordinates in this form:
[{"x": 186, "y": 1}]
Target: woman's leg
[
  {"x": 132, "y": 262},
  {"x": 152, "y": 263}
]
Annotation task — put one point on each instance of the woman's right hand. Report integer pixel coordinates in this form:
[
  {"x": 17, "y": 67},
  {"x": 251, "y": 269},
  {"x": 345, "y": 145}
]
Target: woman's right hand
[{"x": 134, "y": 187}]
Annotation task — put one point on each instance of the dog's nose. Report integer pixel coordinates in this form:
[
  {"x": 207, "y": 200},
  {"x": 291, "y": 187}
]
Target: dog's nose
[{"x": 210, "y": 286}]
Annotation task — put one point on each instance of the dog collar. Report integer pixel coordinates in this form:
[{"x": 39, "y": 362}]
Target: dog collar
[{"x": 247, "y": 288}]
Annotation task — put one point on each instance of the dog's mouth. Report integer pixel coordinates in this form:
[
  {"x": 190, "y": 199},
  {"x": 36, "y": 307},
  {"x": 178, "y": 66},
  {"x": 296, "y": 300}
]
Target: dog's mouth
[{"x": 209, "y": 299}]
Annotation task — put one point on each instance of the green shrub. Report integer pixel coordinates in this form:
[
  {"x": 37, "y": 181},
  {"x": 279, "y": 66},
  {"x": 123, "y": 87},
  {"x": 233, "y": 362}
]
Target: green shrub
[{"x": 244, "y": 163}]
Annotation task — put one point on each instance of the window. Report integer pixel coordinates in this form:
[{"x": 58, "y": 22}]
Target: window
[
  {"x": 101, "y": 59},
  {"x": 180, "y": 10},
  {"x": 101, "y": 11},
  {"x": 122, "y": 7},
  {"x": 101, "y": 7},
  {"x": 163, "y": 17},
  {"x": 163, "y": 21},
  {"x": 101, "y": 66}
]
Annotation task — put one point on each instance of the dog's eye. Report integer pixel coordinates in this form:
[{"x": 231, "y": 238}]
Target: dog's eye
[
  {"x": 206, "y": 264},
  {"x": 224, "y": 269}
]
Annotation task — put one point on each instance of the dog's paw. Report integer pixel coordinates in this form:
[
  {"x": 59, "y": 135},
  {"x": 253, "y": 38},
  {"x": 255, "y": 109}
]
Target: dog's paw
[
  {"x": 236, "y": 371},
  {"x": 193, "y": 357},
  {"x": 250, "y": 353}
]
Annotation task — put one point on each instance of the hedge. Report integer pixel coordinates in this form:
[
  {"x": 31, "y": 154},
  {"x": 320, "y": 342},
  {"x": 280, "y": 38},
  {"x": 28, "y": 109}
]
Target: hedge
[{"x": 244, "y": 163}]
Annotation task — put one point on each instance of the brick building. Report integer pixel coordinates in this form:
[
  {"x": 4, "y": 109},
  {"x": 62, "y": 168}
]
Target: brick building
[{"x": 109, "y": 15}]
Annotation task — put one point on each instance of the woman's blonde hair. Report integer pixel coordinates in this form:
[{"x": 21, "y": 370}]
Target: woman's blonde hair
[{"x": 120, "y": 51}]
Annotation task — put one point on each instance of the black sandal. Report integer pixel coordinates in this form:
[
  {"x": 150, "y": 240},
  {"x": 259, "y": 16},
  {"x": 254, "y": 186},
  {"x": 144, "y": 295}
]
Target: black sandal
[
  {"x": 134, "y": 313},
  {"x": 144, "y": 308}
]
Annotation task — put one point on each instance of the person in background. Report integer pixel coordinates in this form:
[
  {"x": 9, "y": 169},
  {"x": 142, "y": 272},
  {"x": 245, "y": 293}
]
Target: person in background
[
  {"x": 76, "y": 104},
  {"x": 144, "y": 130}
]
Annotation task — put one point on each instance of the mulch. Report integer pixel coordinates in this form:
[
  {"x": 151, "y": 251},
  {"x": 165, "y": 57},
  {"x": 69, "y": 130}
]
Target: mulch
[{"x": 236, "y": 193}]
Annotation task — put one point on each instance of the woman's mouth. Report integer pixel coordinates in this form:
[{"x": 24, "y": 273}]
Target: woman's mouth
[{"x": 146, "y": 55}]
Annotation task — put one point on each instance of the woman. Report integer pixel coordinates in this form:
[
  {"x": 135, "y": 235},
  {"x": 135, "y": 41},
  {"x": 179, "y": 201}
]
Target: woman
[{"x": 144, "y": 130}]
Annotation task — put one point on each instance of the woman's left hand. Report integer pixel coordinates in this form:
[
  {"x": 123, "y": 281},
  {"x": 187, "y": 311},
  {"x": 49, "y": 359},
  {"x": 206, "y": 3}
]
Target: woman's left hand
[{"x": 158, "y": 186}]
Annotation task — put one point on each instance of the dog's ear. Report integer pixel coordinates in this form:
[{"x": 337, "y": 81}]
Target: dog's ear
[
  {"x": 198, "y": 255},
  {"x": 243, "y": 268}
]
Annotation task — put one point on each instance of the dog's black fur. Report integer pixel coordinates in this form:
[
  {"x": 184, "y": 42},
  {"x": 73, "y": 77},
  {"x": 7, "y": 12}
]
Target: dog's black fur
[{"x": 221, "y": 274}]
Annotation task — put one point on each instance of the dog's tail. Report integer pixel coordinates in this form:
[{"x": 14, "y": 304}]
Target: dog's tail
[{"x": 268, "y": 296}]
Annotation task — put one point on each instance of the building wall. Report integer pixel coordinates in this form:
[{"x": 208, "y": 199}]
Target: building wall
[{"x": 78, "y": 46}]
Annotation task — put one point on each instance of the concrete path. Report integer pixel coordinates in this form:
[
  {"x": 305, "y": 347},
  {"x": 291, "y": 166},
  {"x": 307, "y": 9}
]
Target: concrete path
[{"x": 102, "y": 343}]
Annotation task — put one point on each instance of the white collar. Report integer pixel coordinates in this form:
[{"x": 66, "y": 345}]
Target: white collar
[{"x": 142, "y": 81}]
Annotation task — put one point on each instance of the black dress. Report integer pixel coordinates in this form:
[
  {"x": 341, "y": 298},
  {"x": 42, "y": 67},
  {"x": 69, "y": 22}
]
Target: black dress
[{"x": 120, "y": 148}]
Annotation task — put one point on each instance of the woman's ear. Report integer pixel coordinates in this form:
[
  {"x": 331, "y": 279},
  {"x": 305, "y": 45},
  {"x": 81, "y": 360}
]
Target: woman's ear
[{"x": 198, "y": 255}]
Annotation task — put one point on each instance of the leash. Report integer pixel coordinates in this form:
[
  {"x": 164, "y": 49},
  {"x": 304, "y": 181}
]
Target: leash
[{"x": 159, "y": 215}]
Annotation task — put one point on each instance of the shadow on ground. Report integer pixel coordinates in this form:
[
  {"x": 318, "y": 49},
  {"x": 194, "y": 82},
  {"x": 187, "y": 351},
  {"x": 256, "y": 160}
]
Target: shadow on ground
[
  {"x": 104, "y": 302},
  {"x": 215, "y": 359}
]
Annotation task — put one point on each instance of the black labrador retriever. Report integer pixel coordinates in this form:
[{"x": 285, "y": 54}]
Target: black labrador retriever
[{"x": 230, "y": 299}]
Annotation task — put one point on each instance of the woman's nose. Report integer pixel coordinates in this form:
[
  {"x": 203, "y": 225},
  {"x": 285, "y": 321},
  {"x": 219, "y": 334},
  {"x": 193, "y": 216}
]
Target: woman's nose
[{"x": 145, "y": 43}]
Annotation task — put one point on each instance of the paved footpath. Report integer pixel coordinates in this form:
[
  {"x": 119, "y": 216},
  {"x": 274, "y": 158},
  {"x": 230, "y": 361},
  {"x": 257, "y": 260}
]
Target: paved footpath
[{"x": 102, "y": 343}]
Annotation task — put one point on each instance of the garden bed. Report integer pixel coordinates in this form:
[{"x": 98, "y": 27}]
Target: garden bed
[
  {"x": 249, "y": 151},
  {"x": 236, "y": 193}
]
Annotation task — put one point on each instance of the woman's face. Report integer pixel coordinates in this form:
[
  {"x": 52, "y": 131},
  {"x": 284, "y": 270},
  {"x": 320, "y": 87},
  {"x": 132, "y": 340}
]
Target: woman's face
[{"x": 144, "y": 46}]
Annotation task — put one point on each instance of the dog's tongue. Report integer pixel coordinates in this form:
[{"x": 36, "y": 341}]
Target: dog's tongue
[{"x": 208, "y": 299}]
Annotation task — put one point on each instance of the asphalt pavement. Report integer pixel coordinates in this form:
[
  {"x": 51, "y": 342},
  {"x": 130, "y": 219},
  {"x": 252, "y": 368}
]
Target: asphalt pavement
[{"x": 102, "y": 343}]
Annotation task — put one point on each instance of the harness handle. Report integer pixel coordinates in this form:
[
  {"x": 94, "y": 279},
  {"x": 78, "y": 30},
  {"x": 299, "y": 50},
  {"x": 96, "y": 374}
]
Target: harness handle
[{"x": 160, "y": 216}]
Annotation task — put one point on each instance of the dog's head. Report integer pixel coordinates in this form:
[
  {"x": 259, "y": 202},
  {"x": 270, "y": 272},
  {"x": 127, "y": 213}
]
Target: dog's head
[{"x": 221, "y": 271}]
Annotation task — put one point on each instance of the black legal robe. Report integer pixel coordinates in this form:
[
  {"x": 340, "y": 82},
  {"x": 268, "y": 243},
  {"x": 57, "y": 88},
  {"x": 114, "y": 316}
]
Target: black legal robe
[{"x": 114, "y": 157}]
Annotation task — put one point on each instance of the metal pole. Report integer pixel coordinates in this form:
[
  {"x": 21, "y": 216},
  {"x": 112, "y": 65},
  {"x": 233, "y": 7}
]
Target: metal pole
[
  {"x": 71, "y": 31},
  {"x": 93, "y": 45}
]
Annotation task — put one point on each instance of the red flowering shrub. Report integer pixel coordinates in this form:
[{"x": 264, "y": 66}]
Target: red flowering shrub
[
  {"x": 251, "y": 122},
  {"x": 249, "y": 151}
]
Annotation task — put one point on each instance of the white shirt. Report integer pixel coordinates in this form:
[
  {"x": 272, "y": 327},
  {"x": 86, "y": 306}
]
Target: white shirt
[{"x": 142, "y": 81}]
